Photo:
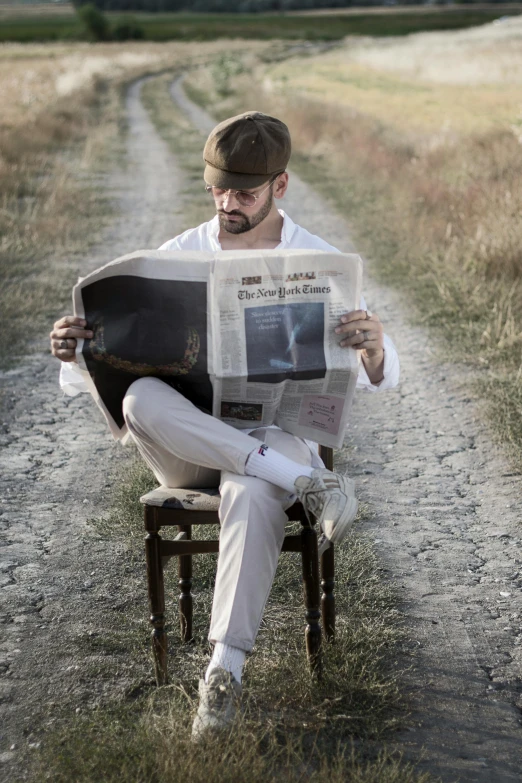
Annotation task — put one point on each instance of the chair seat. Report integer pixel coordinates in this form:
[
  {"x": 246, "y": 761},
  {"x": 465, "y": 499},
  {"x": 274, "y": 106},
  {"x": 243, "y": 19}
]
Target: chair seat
[
  {"x": 187, "y": 499},
  {"x": 200, "y": 500}
]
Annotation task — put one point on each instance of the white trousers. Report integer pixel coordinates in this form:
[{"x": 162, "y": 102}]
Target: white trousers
[{"x": 187, "y": 448}]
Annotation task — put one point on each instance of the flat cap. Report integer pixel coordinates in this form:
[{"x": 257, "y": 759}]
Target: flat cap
[{"x": 246, "y": 151}]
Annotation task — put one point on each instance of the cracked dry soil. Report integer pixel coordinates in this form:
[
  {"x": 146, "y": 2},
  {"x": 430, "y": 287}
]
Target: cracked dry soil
[{"x": 444, "y": 502}]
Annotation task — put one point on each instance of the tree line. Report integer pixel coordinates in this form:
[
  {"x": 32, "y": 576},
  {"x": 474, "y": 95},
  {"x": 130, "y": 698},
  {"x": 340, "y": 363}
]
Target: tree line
[{"x": 243, "y": 6}]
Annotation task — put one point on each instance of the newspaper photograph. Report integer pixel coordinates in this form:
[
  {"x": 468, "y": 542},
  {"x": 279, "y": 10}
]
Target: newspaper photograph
[{"x": 248, "y": 338}]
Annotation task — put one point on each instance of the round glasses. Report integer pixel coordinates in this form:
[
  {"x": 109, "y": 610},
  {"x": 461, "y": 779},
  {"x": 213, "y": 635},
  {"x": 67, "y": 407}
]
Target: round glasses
[{"x": 242, "y": 197}]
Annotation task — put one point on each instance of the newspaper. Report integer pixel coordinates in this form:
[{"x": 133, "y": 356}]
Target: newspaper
[{"x": 247, "y": 337}]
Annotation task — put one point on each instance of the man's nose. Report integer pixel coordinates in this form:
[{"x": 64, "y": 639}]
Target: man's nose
[{"x": 228, "y": 197}]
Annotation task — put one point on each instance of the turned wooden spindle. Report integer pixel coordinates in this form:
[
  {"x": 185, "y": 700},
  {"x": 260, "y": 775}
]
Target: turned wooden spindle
[
  {"x": 328, "y": 597},
  {"x": 328, "y": 567},
  {"x": 156, "y": 598},
  {"x": 185, "y": 583},
  {"x": 311, "y": 595}
]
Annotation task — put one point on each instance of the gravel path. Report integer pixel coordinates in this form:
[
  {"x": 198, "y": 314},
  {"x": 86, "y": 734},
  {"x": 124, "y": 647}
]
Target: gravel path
[{"x": 444, "y": 503}]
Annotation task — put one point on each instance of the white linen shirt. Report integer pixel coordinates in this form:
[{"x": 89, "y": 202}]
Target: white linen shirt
[{"x": 206, "y": 237}]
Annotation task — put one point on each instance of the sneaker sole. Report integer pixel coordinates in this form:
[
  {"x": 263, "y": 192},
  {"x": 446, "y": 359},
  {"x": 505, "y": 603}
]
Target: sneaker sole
[{"x": 344, "y": 524}]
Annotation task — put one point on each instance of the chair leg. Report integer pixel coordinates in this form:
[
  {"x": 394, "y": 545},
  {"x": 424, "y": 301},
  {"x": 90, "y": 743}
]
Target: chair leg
[
  {"x": 157, "y": 605},
  {"x": 312, "y": 601},
  {"x": 328, "y": 598},
  {"x": 185, "y": 583}
]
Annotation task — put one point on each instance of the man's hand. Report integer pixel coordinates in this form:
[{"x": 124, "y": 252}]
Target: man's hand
[
  {"x": 364, "y": 332},
  {"x": 64, "y": 336}
]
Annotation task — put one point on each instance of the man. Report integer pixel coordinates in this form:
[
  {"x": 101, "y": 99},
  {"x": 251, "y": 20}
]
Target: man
[{"x": 246, "y": 159}]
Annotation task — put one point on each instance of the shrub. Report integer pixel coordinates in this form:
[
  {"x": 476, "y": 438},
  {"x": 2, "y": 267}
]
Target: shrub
[
  {"x": 94, "y": 21},
  {"x": 127, "y": 29}
]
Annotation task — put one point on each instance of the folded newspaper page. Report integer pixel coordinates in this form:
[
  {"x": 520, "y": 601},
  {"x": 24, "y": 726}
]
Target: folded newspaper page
[{"x": 247, "y": 337}]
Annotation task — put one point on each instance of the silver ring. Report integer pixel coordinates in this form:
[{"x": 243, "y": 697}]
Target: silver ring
[
  {"x": 366, "y": 336},
  {"x": 368, "y": 315},
  {"x": 64, "y": 345}
]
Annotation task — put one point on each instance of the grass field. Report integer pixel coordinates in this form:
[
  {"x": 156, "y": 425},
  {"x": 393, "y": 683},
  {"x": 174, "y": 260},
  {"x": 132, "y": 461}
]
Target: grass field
[
  {"x": 203, "y": 27},
  {"x": 418, "y": 141}
]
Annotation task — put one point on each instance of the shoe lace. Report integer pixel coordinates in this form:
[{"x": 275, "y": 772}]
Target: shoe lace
[
  {"x": 313, "y": 497},
  {"x": 219, "y": 696}
]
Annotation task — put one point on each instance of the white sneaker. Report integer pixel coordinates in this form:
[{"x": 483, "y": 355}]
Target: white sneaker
[
  {"x": 330, "y": 498},
  {"x": 218, "y": 703}
]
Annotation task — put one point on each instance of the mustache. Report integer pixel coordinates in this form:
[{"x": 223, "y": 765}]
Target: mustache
[{"x": 234, "y": 212}]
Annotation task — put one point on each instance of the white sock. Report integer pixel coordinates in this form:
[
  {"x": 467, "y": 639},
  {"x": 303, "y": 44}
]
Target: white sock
[
  {"x": 231, "y": 659},
  {"x": 272, "y": 466}
]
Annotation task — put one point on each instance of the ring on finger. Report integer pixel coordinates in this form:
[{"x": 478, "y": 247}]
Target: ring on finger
[
  {"x": 64, "y": 345},
  {"x": 367, "y": 336}
]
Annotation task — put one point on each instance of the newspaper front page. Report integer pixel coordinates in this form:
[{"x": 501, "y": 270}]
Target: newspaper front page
[
  {"x": 247, "y": 337},
  {"x": 277, "y": 357}
]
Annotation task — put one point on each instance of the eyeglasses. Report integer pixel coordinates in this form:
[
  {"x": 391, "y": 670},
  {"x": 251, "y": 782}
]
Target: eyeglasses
[{"x": 242, "y": 196}]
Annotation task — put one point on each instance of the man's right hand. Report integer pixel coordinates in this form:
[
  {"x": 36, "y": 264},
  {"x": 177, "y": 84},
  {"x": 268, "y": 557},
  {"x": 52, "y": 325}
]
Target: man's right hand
[{"x": 64, "y": 336}]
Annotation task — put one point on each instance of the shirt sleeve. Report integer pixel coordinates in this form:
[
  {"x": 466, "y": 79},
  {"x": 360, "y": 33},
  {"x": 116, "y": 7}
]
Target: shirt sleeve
[
  {"x": 391, "y": 370},
  {"x": 171, "y": 244},
  {"x": 71, "y": 379}
]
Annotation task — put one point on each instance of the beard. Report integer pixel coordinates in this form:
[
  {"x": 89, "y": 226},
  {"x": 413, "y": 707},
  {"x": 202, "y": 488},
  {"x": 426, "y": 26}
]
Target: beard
[{"x": 246, "y": 222}]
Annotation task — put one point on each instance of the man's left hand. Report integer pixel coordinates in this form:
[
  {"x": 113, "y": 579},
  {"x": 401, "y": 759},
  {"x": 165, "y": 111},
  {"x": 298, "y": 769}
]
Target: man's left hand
[{"x": 363, "y": 331}]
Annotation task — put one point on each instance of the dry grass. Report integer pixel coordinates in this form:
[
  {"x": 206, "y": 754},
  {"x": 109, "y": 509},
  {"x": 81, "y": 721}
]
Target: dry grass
[
  {"x": 293, "y": 728},
  {"x": 8, "y": 9},
  {"x": 60, "y": 135},
  {"x": 429, "y": 172}
]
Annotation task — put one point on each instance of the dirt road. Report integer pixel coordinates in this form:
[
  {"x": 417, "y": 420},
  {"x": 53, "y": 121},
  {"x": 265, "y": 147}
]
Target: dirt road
[
  {"x": 56, "y": 459},
  {"x": 445, "y": 511}
]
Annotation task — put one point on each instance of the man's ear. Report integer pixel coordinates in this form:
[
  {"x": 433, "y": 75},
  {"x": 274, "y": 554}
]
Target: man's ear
[{"x": 280, "y": 185}]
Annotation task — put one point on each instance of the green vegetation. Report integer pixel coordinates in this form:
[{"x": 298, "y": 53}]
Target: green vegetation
[
  {"x": 94, "y": 22},
  {"x": 98, "y": 27},
  {"x": 205, "y": 27}
]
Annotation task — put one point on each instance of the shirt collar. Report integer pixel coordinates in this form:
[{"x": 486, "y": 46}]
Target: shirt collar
[{"x": 286, "y": 232}]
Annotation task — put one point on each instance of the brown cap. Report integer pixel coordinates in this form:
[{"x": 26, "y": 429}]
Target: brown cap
[{"x": 246, "y": 151}]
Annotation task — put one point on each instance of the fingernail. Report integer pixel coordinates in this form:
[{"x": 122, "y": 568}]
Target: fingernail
[
  {"x": 83, "y": 321},
  {"x": 89, "y": 334},
  {"x": 337, "y": 329}
]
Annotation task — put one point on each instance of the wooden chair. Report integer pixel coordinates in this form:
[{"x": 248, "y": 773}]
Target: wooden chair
[{"x": 165, "y": 507}]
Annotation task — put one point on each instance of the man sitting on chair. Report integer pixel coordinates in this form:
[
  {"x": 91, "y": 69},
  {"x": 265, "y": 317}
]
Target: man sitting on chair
[{"x": 246, "y": 158}]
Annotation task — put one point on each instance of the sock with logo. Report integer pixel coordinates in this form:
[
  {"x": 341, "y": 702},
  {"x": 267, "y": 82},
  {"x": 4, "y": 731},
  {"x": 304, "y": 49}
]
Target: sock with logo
[
  {"x": 231, "y": 659},
  {"x": 270, "y": 465}
]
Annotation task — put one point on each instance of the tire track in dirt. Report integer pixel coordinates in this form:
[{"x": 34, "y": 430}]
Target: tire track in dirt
[
  {"x": 446, "y": 523},
  {"x": 55, "y": 458}
]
